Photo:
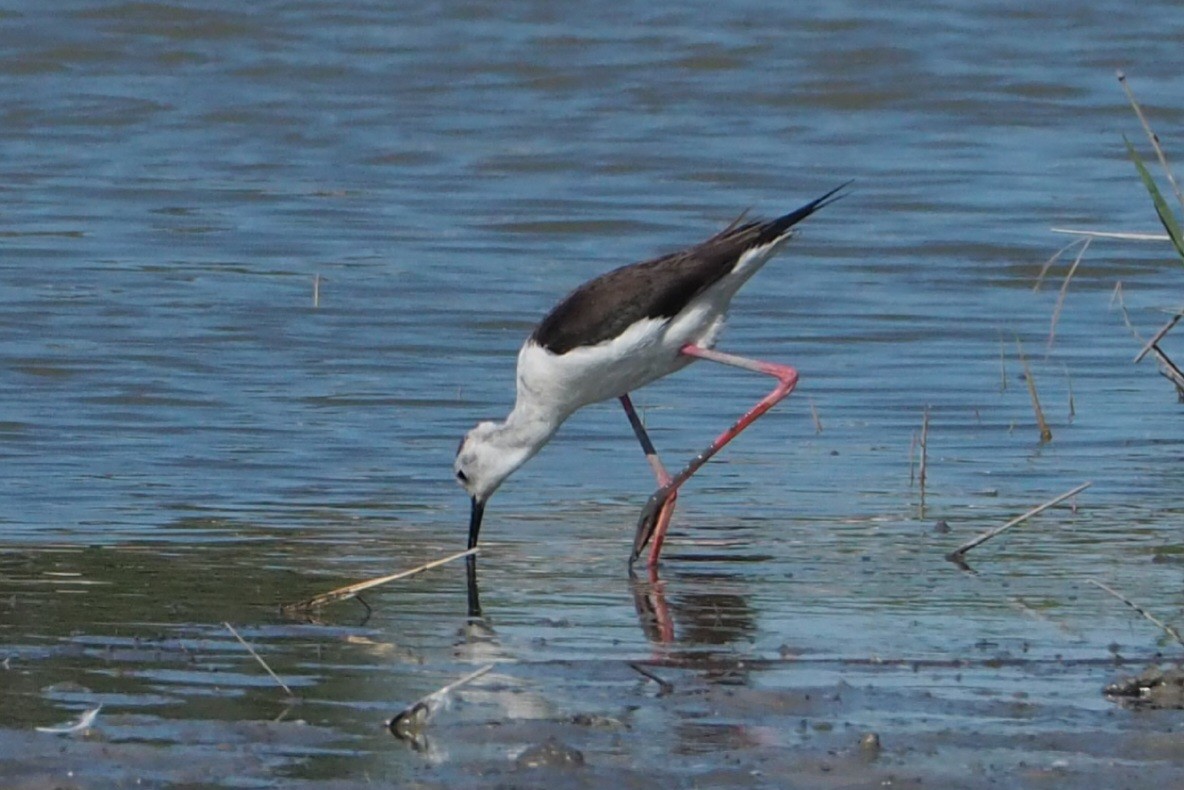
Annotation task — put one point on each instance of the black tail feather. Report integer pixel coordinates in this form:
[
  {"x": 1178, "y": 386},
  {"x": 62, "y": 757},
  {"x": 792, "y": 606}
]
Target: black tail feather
[{"x": 777, "y": 227}]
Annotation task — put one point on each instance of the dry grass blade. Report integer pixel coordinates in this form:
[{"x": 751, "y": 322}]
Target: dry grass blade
[
  {"x": 1111, "y": 234},
  {"x": 1056, "y": 311},
  {"x": 1116, "y": 296},
  {"x": 924, "y": 466},
  {"x": 351, "y": 590},
  {"x": 913, "y": 459},
  {"x": 1169, "y": 371},
  {"x": 259, "y": 658},
  {"x": 1045, "y": 431},
  {"x": 1167, "y": 629},
  {"x": 817, "y": 419},
  {"x": 1167, "y": 368},
  {"x": 1002, "y": 366},
  {"x": 1069, "y": 382},
  {"x": 958, "y": 554},
  {"x": 1056, "y": 257}
]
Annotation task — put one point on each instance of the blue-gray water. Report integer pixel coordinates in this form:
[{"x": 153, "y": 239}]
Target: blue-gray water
[{"x": 187, "y": 440}]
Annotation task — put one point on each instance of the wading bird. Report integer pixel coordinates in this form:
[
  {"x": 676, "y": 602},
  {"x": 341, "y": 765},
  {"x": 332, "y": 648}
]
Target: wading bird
[{"x": 619, "y": 332}]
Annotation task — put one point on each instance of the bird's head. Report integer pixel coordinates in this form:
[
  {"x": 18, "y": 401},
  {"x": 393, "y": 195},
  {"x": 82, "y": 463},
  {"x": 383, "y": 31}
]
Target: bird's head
[{"x": 486, "y": 457}]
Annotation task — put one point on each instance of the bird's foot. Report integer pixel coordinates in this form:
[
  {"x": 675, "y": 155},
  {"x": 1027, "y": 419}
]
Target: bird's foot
[{"x": 653, "y": 522}]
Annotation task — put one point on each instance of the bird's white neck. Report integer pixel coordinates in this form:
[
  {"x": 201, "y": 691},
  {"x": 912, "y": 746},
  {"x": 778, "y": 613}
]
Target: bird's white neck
[{"x": 527, "y": 428}]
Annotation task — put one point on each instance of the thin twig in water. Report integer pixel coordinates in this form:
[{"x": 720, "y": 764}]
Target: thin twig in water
[
  {"x": 407, "y": 724},
  {"x": 1002, "y": 366},
  {"x": 922, "y": 473},
  {"x": 1167, "y": 629},
  {"x": 1167, "y": 368},
  {"x": 1170, "y": 372},
  {"x": 1158, "y": 337},
  {"x": 1117, "y": 296},
  {"x": 814, "y": 414},
  {"x": 259, "y": 658},
  {"x": 1045, "y": 431},
  {"x": 1056, "y": 311},
  {"x": 913, "y": 459},
  {"x": 316, "y": 290},
  {"x": 1072, "y": 406},
  {"x": 1152, "y": 136},
  {"x": 1112, "y": 234},
  {"x": 959, "y": 553},
  {"x": 664, "y": 686},
  {"x": 351, "y": 590}
]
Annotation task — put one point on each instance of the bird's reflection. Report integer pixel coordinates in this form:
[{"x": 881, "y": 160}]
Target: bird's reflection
[
  {"x": 653, "y": 612},
  {"x": 693, "y": 622},
  {"x": 477, "y": 631},
  {"x": 707, "y": 614},
  {"x": 474, "y": 591}
]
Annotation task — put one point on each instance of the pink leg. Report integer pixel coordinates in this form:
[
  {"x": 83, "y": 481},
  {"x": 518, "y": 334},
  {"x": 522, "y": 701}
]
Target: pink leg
[
  {"x": 651, "y": 525},
  {"x": 651, "y": 455}
]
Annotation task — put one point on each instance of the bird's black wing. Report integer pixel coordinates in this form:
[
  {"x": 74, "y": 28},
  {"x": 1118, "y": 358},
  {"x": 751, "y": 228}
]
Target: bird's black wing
[{"x": 606, "y": 306}]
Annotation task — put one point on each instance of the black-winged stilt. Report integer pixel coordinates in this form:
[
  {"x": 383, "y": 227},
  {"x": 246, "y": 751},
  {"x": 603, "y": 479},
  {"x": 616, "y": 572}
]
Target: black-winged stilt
[{"x": 618, "y": 332}]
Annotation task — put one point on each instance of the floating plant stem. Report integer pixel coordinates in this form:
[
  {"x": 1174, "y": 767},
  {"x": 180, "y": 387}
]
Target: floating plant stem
[
  {"x": 958, "y": 554},
  {"x": 351, "y": 590}
]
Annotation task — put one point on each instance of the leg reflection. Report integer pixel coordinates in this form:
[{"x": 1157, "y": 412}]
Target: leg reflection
[{"x": 653, "y": 613}]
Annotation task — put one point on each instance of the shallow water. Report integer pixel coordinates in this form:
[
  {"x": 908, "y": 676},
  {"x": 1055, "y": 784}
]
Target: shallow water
[{"x": 188, "y": 440}]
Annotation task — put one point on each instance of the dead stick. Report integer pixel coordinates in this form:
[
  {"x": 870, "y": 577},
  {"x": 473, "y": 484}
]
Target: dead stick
[
  {"x": 1167, "y": 368},
  {"x": 1158, "y": 337},
  {"x": 407, "y": 723},
  {"x": 437, "y": 697},
  {"x": 664, "y": 686},
  {"x": 1002, "y": 366},
  {"x": 1170, "y": 371},
  {"x": 957, "y": 554},
  {"x": 1167, "y": 629},
  {"x": 350, "y": 590},
  {"x": 924, "y": 466},
  {"x": 1045, "y": 431},
  {"x": 469, "y": 678},
  {"x": 1113, "y": 234},
  {"x": 1069, "y": 381},
  {"x": 1126, "y": 317},
  {"x": 259, "y": 658},
  {"x": 814, "y": 414},
  {"x": 912, "y": 459}
]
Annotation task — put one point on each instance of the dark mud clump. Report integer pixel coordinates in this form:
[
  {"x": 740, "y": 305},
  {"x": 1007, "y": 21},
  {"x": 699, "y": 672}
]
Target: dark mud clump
[
  {"x": 550, "y": 754},
  {"x": 1155, "y": 688}
]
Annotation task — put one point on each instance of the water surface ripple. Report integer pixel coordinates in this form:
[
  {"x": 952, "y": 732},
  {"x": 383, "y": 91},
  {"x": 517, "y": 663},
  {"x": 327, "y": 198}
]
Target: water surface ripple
[{"x": 188, "y": 440}]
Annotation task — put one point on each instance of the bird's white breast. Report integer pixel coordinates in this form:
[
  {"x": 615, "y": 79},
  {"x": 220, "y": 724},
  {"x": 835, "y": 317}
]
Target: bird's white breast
[{"x": 646, "y": 351}]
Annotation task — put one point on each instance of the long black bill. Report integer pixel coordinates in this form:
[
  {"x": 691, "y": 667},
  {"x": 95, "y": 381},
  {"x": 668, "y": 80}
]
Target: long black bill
[
  {"x": 475, "y": 521},
  {"x": 645, "y": 531}
]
